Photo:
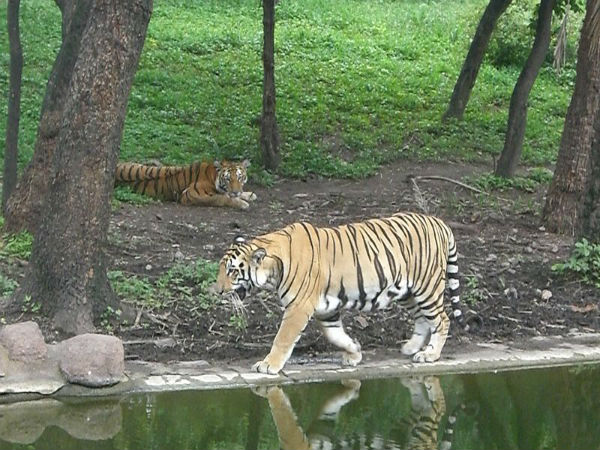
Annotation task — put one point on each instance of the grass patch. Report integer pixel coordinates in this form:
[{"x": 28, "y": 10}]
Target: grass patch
[
  {"x": 535, "y": 177},
  {"x": 356, "y": 81},
  {"x": 184, "y": 282},
  {"x": 17, "y": 245},
  {"x": 123, "y": 194}
]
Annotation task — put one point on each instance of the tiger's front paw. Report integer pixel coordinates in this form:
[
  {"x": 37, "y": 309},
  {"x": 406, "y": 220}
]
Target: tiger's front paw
[
  {"x": 267, "y": 366},
  {"x": 239, "y": 203},
  {"x": 351, "y": 359},
  {"x": 249, "y": 196}
]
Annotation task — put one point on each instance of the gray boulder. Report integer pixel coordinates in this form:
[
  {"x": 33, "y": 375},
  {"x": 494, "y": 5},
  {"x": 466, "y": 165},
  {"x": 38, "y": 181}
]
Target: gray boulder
[
  {"x": 93, "y": 360},
  {"x": 24, "y": 342}
]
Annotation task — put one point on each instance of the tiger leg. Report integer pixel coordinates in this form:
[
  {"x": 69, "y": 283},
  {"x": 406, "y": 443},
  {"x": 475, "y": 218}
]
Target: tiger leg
[
  {"x": 431, "y": 306},
  {"x": 419, "y": 337},
  {"x": 193, "y": 196},
  {"x": 293, "y": 323},
  {"x": 334, "y": 332}
]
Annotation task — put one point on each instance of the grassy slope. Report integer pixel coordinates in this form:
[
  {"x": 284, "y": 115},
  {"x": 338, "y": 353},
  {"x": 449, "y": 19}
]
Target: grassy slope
[{"x": 356, "y": 81}]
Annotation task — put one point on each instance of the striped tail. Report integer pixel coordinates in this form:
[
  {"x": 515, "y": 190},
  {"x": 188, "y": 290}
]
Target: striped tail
[{"x": 454, "y": 283}]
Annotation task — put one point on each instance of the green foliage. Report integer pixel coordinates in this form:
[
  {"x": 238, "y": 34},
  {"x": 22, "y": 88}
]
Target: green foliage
[
  {"x": 238, "y": 322},
  {"x": 535, "y": 177},
  {"x": 30, "y": 306},
  {"x": 133, "y": 288},
  {"x": 7, "y": 285},
  {"x": 123, "y": 194},
  {"x": 359, "y": 84},
  {"x": 513, "y": 37},
  {"x": 17, "y": 245},
  {"x": 584, "y": 263},
  {"x": 188, "y": 282},
  {"x": 473, "y": 292}
]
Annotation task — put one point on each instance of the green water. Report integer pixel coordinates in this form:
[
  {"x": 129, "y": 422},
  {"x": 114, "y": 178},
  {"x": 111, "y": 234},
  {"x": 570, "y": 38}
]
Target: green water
[{"x": 536, "y": 409}]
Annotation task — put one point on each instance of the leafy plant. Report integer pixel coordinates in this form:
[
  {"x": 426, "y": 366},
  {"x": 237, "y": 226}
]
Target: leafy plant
[
  {"x": 238, "y": 322},
  {"x": 583, "y": 263},
  {"x": 30, "y": 306},
  {"x": 17, "y": 245},
  {"x": 7, "y": 285},
  {"x": 107, "y": 318},
  {"x": 123, "y": 194},
  {"x": 473, "y": 292},
  {"x": 133, "y": 288}
]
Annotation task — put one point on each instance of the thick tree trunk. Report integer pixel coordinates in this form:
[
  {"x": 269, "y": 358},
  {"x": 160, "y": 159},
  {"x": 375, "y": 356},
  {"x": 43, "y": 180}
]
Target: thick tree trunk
[
  {"x": 589, "y": 225},
  {"x": 470, "y": 68},
  {"x": 25, "y": 203},
  {"x": 269, "y": 137},
  {"x": 564, "y": 201},
  {"x": 14, "y": 101},
  {"x": 517, "y": 114},
  {"x": 68, "y": 267}
]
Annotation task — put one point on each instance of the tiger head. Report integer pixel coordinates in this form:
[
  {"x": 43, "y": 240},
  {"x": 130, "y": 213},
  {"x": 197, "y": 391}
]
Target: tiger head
[
  {"x": 231, "y": 177},
  {"x": 245, "y": 266}
]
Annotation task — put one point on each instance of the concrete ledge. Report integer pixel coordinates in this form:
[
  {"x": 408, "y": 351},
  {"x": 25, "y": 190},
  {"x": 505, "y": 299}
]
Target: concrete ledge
[{"x": 533, "y": 353}]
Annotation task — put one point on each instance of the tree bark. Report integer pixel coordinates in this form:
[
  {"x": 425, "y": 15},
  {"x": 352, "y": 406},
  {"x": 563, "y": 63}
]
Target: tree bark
[
  {"x": 470, "y": 68},
  {"x": 564, "y": 200},
  {"x": 25, "y": 203},
  {"x": 517, "y": 114},
  {"x": 68, "y": 265},
  {"x": 14, "y": 101},
  {"x": 269, "y": 137}
]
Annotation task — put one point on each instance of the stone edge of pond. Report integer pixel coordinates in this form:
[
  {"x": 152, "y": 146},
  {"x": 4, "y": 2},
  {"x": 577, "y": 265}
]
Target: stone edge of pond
[{"x": 538, "y": 352}]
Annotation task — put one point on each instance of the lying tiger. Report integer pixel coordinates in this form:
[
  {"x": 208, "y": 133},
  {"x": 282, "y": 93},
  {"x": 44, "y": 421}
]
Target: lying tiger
[
  {"x": 220, "y": 183},
  {"x": 319, "y": 271}
]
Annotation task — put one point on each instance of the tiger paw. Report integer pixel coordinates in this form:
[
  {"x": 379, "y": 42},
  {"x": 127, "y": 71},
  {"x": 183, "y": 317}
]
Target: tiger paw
[
  {"x": 249, "y": 196},
  {"x": 426, "y": 356},
  {"x": 351, "y": 359},
  {"x": 239, "y": 203},
  {"x": 265, "y": 366}
]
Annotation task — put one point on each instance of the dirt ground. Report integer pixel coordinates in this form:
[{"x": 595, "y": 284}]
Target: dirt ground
[{"x": 505, "y": 259}]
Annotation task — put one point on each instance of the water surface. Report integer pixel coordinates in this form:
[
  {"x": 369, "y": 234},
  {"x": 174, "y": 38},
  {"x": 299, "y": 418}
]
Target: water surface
[{"x": 537, "y": 409}]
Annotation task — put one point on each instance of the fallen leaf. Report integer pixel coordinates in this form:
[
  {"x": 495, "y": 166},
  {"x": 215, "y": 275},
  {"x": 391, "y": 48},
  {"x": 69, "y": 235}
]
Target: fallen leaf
[{"x": 584, "y": 309}]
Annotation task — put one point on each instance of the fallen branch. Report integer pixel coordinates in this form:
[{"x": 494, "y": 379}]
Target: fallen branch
[{"x": 414, "y": 179}]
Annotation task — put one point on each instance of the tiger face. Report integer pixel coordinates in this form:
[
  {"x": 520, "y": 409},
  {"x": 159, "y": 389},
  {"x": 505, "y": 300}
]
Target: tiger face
[
  {"x": 246, "y": 266},
  {"x": 231, "y": 177}
]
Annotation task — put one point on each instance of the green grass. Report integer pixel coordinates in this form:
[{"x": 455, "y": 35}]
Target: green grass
[
  {"x": 356, "y": 81},
  {"x": 187, "y": 282}
]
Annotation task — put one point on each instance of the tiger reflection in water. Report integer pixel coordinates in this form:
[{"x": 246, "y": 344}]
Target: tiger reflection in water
[{"x": 420, "y": 426}]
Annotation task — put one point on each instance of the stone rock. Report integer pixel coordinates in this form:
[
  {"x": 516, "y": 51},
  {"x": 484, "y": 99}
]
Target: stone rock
[
  {"x": 24, "y": 342},
  {"x": 93, "y": 360}
]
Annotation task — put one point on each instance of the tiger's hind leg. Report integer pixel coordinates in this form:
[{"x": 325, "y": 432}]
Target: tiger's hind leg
[
  {"x": 334, "y": 332},
  {"x": 431, "y": 324}
]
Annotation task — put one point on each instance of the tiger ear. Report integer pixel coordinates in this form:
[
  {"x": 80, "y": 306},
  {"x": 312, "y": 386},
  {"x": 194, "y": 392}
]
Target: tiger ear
[
  {"x": 258, "y": 255},
  {"x": 239, "y": 239},
  {"x": 246, "y": 163},
  {"x": 217, "y": 164}
]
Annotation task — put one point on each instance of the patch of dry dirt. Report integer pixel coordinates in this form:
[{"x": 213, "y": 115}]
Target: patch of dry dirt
[{"x": 505, "y": 260}]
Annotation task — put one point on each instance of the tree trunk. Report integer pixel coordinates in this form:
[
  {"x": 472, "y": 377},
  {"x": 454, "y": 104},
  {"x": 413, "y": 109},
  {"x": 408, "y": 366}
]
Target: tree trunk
[
  {"x": 564, "y": 201},
  {"x": 67, "y": 267},
  {"x": 14, "y": 101},
  {"x": 470, "y": 68},
  {"x": 589, "y": 225},
  {"x": 269, "y": 138},
  {"x": 517, "y": 114},
  {"x": 24, "y": 205}
]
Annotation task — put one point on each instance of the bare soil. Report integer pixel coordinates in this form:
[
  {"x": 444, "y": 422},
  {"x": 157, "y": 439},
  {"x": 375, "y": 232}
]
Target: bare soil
[{"x": 505, "y": 259}]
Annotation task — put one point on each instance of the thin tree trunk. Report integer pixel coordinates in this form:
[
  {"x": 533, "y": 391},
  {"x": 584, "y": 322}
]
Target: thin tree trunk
[
  {"x": 470, "y": 68},
  {"x": 14, "y": 101},
  {"x": 269, "y": 137},
  {"x": 517, "y": 114},
  {"x": 68, "y": 264},
  {"x": 564, "y": 201},
  {"x": 25, "y": 203}
]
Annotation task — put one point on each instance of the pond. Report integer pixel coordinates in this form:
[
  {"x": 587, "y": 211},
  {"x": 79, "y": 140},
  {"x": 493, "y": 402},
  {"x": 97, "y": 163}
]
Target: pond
[{"x": 555, "y": 408}]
